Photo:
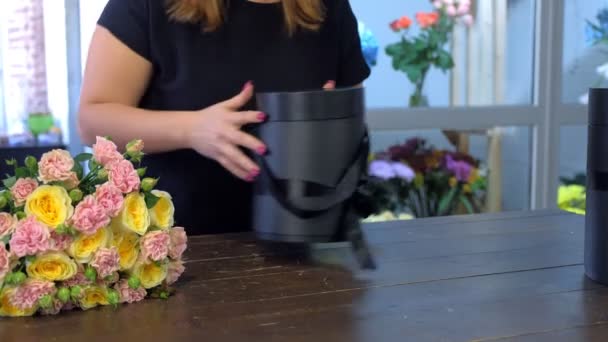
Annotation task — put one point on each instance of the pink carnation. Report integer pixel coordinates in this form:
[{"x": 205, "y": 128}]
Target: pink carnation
[
  {"x": 110, "y": 198},
  {"x": 7, "y": 224},
  {"x": 127, "y": 294},
  {"x": 77, "y": 280},
  {"x": 23, "y": 188},
  {"x": 27, "y": 295},
  {"x": 174, "y": 271},
  {"x": 155, "y": 245},
  {"x": 178, "y": 243},
  {"x": 89, "y": 216},
  {"x": 5, "y": 264},
  {"x": 123, "y": 175},
  {"x": 60, "y": 242},
  {"x": 30, "y": 238},
  {"x": 106, "y": 261},
  {"x": 105, "y": 152},
  {"x": 55, "y": 165},
  {"x": 55, "y": 308},
  {"x": 72, "y": 182}
]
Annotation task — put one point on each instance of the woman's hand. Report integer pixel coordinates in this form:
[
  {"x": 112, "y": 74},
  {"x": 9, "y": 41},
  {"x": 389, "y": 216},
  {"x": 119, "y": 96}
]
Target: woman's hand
[{"x": 217, "y": 134}]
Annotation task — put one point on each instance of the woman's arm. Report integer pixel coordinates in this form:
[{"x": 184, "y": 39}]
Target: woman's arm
[
  {"x": 115, "y": 79},
  {"x": 114, "y": 82}
]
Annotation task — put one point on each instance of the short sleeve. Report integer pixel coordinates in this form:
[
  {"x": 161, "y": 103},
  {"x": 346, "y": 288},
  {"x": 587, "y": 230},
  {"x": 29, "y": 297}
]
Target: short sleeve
[
  {"x": 128, "y": 21},
  {"x": 353, "y": 68}
]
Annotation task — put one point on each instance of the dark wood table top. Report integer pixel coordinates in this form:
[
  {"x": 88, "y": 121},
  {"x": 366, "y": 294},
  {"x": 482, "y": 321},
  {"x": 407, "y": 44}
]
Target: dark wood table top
[{"x": 502, "y": 277}]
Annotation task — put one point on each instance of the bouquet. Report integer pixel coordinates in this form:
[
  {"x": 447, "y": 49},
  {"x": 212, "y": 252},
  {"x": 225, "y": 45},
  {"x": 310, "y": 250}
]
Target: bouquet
[
  {"x": 414, "y": 55},
  {"x": 572, "y": 194},
  {"x": 413, "y": 178},
  {"x": 73, "y": 239}
]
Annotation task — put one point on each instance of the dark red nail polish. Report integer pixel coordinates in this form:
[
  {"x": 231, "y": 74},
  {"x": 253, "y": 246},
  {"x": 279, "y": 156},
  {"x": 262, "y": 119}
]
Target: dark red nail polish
[
  {"x": 262, "y": 116},
  {"x": 261, "y": 150}
]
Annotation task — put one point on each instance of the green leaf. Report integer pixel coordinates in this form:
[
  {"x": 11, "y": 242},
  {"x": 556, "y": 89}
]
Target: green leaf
[
  {"x": 22, "y": 172},
  {"x": 82, "y": 157},
  {"x": 467, "y": 204},
  {"x": 413, "y": 72},
  {"x": 78, "y": 169},
  {"x": 92, "y": 164},
  {"x": 395, "y": 49},
  {"x": 9, "y": 182},
  {"x": 446, "y": 201},
  {"x": 444, "y": 60},
  {"x": 11, "y": 162},
  {"x": 151, "y": 200},
  {"x": 420, "y": 44}
]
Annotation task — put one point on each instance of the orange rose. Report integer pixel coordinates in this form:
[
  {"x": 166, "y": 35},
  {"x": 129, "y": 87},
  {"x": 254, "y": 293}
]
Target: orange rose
[
  {"x": 426, "y": 20},
  {"x": 401, "y": 24}
]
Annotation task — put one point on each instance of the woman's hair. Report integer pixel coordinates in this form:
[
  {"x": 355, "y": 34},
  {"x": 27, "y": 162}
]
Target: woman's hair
[{"x": 299, "y": 14}]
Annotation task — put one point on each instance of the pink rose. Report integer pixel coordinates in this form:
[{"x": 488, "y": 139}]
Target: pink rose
[
  {"x": 105, "y": 152},
  {"x": 467, "y": 19},
  {"x": 127, "y": 294},
  {"x": 89, "y": 216},
  {"x": 5, "y": 264},
  {"x": 174, "y": 271},
  {"x": 30, "y": 238},
  {"x": 123, "y": 175},
  {"x": 7, "y": 224},
  {"x": 55, "y": 165},
  {"x": 60, "y": 242},
  {"x": 155, "y": 245},
  {"x": 110, "y": 198},
  {"x": 451, "y": 11},
  {"x": 27, "y": 295},
  {"x": 23, "y": 188},
  {"x": 178, "y": 243},
  {"x": 106, "y": 261}
]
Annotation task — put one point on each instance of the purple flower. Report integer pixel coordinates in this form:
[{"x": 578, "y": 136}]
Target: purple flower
[
  {"x": 460, "y": 169},
  {"x": 381, "y": 169},
  {"x": 403, "y": 171}
]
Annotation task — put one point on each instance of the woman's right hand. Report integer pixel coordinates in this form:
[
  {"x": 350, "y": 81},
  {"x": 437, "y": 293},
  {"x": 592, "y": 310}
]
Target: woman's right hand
[{"x": 216, "y": 133}]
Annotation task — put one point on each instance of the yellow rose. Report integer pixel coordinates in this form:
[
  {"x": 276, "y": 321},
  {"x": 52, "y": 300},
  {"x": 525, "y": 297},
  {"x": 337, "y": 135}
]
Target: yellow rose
[
  {"x": 134, "y": 215},
  {"x": 50, "y": 204},
  {"x": 127, "y": 244},
  {"x": 93, "y": 296},
  {"x": 9, "y": 310},
  {"x": 85, "y": 246},
  {"x": 150, "y": 274},
  {"x": 53, "y": 266},
  {"x": 162, "y": 213}
]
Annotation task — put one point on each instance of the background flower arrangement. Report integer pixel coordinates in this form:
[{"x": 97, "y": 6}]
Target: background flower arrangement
[
  {"x": 597, "y": 35},
  {"x": 572, "y": 194},
  {"x": 417, "y": 179},
  {"x": 74, "y": 240},
  {"x": 415, "y": 54}
]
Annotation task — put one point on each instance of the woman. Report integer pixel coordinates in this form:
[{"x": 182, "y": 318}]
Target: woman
[{"x": 180, "y": 74}]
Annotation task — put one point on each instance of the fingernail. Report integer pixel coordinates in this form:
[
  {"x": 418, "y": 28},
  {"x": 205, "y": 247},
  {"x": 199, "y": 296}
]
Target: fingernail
[
  {"x": 247, "y": 85},
  {"x": 262, "y": 116},
  {"x": 261, "y": 150}
]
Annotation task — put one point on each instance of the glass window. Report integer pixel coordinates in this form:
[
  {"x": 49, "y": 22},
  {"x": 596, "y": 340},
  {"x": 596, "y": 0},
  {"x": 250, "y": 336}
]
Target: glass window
[
  {"x": 572, "y": 168},
  {"x": 585, "y": 23},
  {"x": 492, "y": 170},
  {"x": 493, "y": 59}
]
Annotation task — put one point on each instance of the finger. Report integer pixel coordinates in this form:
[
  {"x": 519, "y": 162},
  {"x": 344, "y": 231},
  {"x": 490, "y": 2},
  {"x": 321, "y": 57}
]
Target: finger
[
  {"x": 248, "y": 141},
  {"x": 238, "y": 158},
  {"x": 247, "y": 117},
  {"x": 330, "y": 85},
  {"x": 241, "y": 98},
  {"x": 232, "y": 167}
]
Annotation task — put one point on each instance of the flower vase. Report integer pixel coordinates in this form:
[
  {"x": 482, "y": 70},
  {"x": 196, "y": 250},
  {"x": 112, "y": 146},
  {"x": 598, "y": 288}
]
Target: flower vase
[{"x": 418, "y": 100}]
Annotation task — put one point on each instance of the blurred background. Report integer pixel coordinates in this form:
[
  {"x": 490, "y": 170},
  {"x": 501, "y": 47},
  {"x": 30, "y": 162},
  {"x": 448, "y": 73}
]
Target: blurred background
[{"x": 482, "y": 111}]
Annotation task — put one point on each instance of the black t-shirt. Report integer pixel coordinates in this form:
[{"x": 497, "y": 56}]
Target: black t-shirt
[{"x": 193, "y": 69}]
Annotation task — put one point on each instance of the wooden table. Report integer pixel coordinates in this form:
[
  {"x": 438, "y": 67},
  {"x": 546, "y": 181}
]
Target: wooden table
[{"x": 499, "y": 277}]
